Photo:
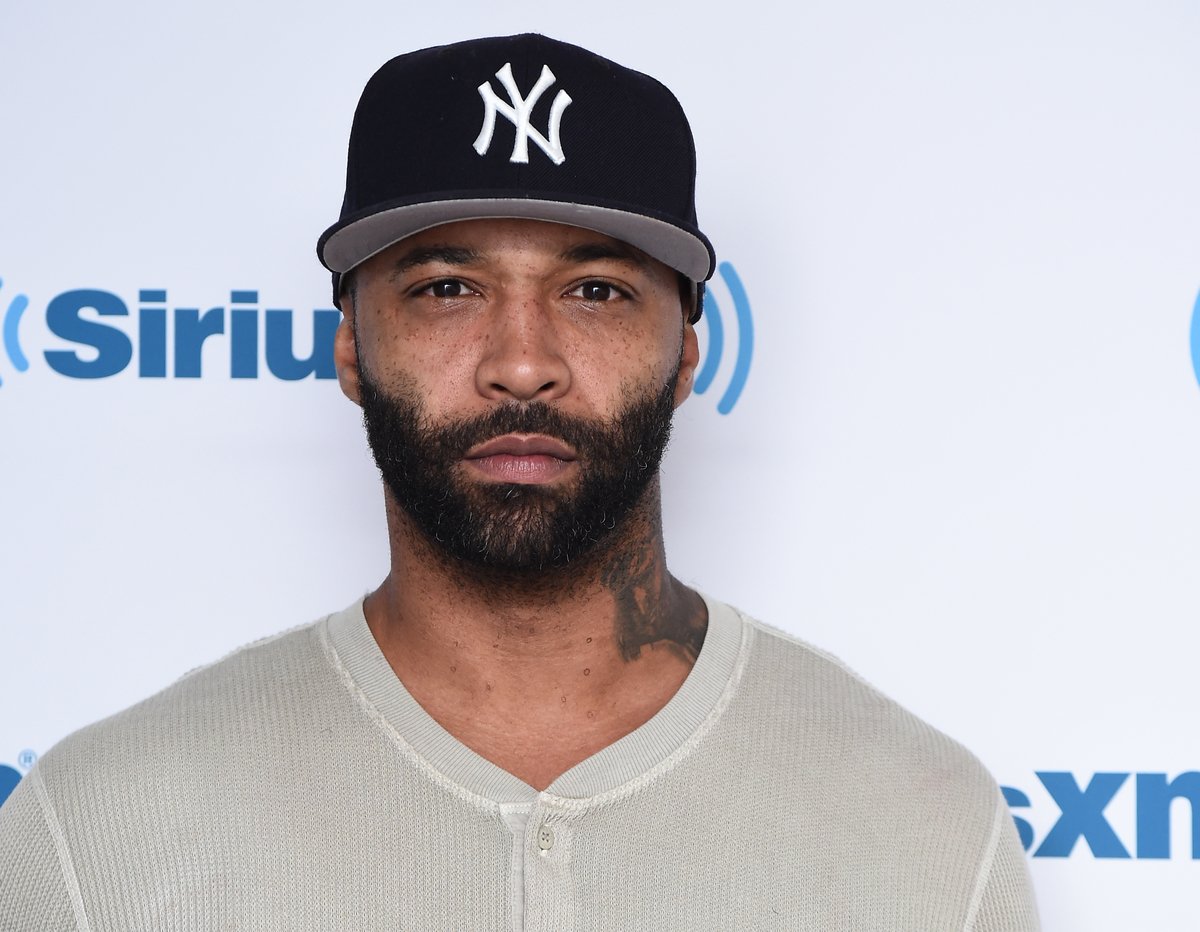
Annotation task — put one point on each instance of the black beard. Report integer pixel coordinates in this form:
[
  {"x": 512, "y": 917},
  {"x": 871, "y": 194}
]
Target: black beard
[{"x": 511, "y": 530}]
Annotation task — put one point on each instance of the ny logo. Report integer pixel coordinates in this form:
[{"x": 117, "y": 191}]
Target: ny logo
[{"x": 518, "y": 111}]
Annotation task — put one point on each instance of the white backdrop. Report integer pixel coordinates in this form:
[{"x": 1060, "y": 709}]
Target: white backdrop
[{"x": 965, "y": 457}]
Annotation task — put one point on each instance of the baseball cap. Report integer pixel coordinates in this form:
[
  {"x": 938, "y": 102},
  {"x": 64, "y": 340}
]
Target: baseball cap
[{"x": 519, "y": 127}]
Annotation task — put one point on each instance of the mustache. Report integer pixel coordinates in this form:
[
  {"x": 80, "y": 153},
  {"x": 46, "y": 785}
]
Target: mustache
[{"x": 532, "y": 417}]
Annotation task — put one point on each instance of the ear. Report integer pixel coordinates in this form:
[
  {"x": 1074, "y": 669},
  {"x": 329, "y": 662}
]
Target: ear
[
  {"x": 345, "y": 353},
  {"x": 687, "y": 364}
]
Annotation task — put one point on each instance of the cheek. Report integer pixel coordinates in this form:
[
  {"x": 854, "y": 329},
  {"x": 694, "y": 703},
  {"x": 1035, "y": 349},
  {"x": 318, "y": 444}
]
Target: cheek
[
  {"x": 431, "y": 363},
  {"x": 653, "y": 349},
  {"x": 624, "y": 360}
]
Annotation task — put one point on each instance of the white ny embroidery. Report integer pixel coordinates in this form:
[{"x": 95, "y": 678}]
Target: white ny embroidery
[{"x": 518, "y": 113}]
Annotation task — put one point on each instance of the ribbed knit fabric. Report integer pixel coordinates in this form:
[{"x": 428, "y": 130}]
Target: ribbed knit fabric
[{"x": 296, "y": 785}]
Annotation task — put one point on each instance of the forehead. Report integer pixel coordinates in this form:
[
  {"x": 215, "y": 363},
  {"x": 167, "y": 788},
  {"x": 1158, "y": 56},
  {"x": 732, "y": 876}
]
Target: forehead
[{"x": 490, "y": 240}]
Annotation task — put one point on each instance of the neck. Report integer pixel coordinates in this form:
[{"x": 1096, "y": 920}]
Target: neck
[{"x": 597, "y": 647}]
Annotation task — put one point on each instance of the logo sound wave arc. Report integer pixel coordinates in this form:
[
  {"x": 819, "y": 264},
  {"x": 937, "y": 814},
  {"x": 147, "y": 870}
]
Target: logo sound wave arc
[
  {"x": 1196, "y": 338},
  {"x": 12, "y": 320},
  {"x": 716, "y": 340}
]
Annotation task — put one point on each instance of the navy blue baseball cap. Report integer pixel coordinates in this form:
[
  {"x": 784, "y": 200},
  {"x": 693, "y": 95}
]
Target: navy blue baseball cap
[{"x": 520, "y": 126}]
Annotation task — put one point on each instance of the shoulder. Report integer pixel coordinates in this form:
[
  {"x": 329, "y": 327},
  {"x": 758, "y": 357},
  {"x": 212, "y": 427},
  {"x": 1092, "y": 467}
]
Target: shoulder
[
  {"x": 825, "y": 694},
  {"x": 213, "y": 712},
  {"x": 837, "y": 727},
  {"x": 895, "y": 803}
]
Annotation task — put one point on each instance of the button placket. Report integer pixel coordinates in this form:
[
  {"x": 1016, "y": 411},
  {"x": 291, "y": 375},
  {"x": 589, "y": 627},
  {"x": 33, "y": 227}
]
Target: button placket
[{"x": 549, "y": 872}]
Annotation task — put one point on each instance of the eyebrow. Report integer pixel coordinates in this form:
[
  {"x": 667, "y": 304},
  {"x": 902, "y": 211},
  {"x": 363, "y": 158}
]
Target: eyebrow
[
  {"x": 589, "y": 252},
  {"x": 461, "y": 255},
  {"x": 450, "y": 255}
]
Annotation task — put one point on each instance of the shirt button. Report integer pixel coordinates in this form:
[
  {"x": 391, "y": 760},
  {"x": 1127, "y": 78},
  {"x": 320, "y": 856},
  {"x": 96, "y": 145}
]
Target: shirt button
[{"x": 545, "y": 838}]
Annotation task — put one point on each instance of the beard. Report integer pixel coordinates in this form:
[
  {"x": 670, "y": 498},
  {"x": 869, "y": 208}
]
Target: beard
[{"x": 515, "y": 531}]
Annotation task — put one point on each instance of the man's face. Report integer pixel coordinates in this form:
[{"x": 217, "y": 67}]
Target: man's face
[{"x": 517, "y": 380}]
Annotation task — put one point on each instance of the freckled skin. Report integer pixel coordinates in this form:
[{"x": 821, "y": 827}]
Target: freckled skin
[
  {"x": 516, "y": 338},
  {"x": 476, "y": 314}
]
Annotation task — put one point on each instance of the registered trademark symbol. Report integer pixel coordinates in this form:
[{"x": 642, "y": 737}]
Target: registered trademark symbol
[{"x": 27, "y": 759}]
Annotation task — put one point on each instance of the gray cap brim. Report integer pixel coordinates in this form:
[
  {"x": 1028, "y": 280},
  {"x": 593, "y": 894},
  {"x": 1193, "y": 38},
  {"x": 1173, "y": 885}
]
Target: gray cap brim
[{"x": 671, "y": 245}]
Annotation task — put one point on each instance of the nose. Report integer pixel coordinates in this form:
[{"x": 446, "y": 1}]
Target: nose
[{"x": 522, "y": 358}]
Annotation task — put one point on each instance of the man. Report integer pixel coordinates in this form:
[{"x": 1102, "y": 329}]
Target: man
[{"x": 530, "y": 724}]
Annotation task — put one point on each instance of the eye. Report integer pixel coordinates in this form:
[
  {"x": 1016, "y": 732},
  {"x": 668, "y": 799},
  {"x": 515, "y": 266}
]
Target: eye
[
  {"x": 446, "y": 288},
  {"x": 598, "y": 291}
]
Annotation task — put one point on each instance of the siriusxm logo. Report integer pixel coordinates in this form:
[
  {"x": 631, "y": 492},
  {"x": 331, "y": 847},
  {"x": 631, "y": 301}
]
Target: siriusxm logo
[
  {"x": 12, "y": 319},
  {"x": 1196, "y": 338},
  {"x": 716, "y": 338},
  {"x": 1081, "y": 814},
  {"x": 10, "y": 776},
  {"x": 107, "y": 338}
]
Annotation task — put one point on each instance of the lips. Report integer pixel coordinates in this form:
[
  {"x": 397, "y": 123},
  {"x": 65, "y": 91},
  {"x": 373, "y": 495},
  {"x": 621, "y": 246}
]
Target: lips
[{"x": 521, "y": 458}]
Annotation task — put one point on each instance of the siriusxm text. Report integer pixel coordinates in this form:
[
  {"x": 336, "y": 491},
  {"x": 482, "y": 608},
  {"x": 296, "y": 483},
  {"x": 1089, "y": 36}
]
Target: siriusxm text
[
  {"x": 1081, "y": 814},
  {"x": 108, "y": 338}
]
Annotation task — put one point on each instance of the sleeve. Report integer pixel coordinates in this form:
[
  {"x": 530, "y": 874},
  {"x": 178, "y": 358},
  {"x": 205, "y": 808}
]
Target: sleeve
[
  {"x": 35, "y": 894},
  {"x": 1005, "y": 898}
]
